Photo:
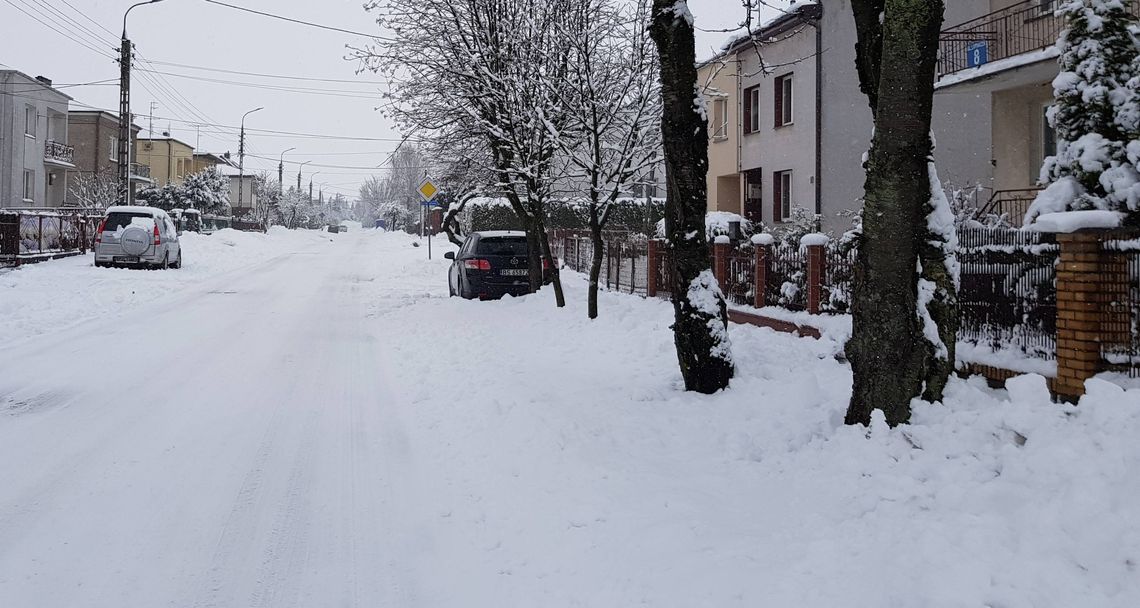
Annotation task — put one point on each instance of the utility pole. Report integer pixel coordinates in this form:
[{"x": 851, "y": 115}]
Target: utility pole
[
  {"x": 299, "y": 175},
  {"x": 281, "y": 174},
  {"x": 311, "y": 186},
  {"x": 241, "y": 158},
  {"x": 124, "y": 151}
]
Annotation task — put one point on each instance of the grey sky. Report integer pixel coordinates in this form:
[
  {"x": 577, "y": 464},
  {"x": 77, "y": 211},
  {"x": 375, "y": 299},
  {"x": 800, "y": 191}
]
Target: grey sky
[{"x": 193, "y": 32}]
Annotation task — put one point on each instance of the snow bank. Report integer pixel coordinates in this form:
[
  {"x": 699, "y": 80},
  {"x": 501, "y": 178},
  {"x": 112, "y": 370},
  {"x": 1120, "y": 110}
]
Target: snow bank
[
  {"x": 1072, "y": 221},
  {"x": 49, "y": 296},
  {"x": 814, "y": 239},
  {"x": 575, "y": 471}
]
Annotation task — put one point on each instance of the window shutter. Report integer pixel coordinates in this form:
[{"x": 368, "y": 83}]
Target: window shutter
[
  {"x": 778, "y": 96},
  {"x": 747, "y": 111},
  {"x": 777, "y": 196}
]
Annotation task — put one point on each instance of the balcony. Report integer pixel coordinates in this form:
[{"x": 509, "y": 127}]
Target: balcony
[
  {"x": 1015, "y": 36},
  {"x": 1010, "y": 205},
  {"x": 56, "y": 153},
  {"x": 140, "y": 172}
]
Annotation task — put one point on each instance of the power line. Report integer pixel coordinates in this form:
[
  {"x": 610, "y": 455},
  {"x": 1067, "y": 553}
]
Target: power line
[
  {"x": 297, "y": 21},
  {"x": 271, "y": 87},
  {"x": 263, "y": 75}
]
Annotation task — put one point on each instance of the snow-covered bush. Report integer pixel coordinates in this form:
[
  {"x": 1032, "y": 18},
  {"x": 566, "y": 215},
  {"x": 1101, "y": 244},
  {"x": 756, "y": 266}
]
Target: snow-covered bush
[
  {"x": 718, "y": 223},
  {"x": 1097, "y": 112},
  {"x": 207, "y": 190}
]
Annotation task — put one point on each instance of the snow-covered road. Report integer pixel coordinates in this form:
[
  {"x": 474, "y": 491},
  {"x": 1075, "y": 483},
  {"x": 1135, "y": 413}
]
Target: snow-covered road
[{"x": 303, "y": 419}]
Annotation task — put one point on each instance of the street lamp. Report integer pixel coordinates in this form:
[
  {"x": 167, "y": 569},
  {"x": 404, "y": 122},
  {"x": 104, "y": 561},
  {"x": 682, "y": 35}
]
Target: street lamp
[
  {"x": 311, "y": 185},
  {"x": 241, "y": 157},
  {"x": 299, "y": 175},
  {"x": 124, "y": 152},
  {"x": 281, "y": 173}
]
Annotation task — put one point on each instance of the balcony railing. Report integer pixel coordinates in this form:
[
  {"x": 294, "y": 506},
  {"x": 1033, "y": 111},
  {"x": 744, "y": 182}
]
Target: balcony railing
[
  {"x": 1010, "y": 205},
  {"x": 138, "y": 170},
  {"x": 1021, "y": 28},
  {"x": 53, "y": 150}
]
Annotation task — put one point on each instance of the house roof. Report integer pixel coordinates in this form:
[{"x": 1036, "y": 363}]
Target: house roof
[
  {"x": 104, "y": 114},
  {"x": 6, "y": 76},
  {"x": 786, "y": 20},
  {"x": 210, "y": 156},
  {"x": 178, "y": 141}
]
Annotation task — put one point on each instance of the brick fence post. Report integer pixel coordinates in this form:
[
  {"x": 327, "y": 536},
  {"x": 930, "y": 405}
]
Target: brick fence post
[
  {"x": 1079, "y": 285},
  {"x": 814, "y": 243},
  {"x": 653, "y": 253},
  {"x": 762, "y": 249},
  {"x": 720, "y": 260}
]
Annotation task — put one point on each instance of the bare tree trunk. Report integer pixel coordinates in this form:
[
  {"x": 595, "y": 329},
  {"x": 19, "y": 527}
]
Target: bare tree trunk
[
  {"x": 595, "y": 263},
  {"x": 548, "y": 257},
  {"x": 892, "y": 360},
  {"x": 699, "y": 311}
]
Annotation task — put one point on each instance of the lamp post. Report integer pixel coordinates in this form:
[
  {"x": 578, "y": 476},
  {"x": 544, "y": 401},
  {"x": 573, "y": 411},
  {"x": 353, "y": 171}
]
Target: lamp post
[
  {"x": 281, "y": 173},
  {"x": 299, "y": 175},
  {"x": 311, "y": 185},
  {"x": 241, "y": 158},
  {"x": 124, "y": 151}
]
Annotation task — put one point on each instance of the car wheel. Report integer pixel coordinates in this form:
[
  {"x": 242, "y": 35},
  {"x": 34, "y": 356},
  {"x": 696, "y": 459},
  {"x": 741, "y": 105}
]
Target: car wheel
[
  {"x": 165, "y": 261},
  {"x": 177, "y": 263}
]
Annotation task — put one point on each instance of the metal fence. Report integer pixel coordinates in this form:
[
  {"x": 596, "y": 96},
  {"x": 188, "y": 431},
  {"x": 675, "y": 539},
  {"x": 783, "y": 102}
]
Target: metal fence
[
  {"x": 740, "y": 281},
  {"x": 786, "y": 280},
  {"x": 838, "y": 278},
  {"x": 1008, "y": 294},
  {"x": 625, "y": 259},
  {"x": 1120, "y": 310},
  {"x": 26, "y": 235}
]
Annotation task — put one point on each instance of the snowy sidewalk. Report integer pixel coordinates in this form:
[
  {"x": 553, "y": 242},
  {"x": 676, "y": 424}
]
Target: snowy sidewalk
[{"x": 352, "y": 436}]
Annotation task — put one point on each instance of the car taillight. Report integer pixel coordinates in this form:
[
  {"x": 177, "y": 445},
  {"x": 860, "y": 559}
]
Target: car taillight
[
  {"x": 99, "y": 230},
  {"x": 157, "y": 241},
  {"x": 545, "y": 264},
  {"x": 476, "y": 264}
]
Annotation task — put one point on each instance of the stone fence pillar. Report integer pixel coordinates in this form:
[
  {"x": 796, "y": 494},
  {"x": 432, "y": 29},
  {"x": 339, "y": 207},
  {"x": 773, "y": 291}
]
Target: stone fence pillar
[{"x": 762, "y": 249}]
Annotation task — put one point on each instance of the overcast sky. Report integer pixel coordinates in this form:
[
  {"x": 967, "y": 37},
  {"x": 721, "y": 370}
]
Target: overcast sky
[{"x": 196, "y": 33}]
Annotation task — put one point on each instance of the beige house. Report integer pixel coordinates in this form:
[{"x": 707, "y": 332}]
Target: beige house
[
  {"x": 169, "y": 159},
  {"x": 718, "y": 76},
  {"x": 1004, "y": 52},
  {"x": 205, "y": 160}
]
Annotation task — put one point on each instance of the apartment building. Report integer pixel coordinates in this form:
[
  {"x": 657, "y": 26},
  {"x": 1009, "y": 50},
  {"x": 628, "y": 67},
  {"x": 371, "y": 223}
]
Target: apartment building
[
  {"x": 1004, "y": 52},
  {"x": 95, "y": 136},
  {"x": 796, "y": 125},
  {"x": 34, "y": 152},
  {"x": 169, "y": 159}
]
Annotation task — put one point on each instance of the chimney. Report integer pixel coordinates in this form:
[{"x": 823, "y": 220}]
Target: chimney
[{"x": 44, "y": 80}]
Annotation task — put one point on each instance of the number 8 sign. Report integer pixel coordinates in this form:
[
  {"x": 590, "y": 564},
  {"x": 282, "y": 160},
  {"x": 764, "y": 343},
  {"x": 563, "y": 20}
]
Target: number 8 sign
[{"x": 977, "y": 54}]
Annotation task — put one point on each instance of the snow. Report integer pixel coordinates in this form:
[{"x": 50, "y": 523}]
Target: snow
[
  {"x": 722, "y": 239},
  {"x": 1013, "y": 360},
  {"x": 493, "y": 233},
  {"x": 814, "y": 239},
  {"x": 1072, "y": 221},
  {"x": 315, "y": 423},
  {"x": 763, "y": 239},
  {"x": 926, "y": 292},
  {"x": 705, "y": 296}
]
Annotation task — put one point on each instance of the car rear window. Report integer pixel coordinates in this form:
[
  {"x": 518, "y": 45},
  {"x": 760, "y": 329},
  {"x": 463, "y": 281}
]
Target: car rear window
[
  {"x": 120, "y": 219},
  {"x": 502, "y": 245}
]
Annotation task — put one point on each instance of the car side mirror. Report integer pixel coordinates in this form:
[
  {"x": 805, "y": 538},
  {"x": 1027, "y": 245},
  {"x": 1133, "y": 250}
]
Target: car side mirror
[{"x": 450, "y": 255}]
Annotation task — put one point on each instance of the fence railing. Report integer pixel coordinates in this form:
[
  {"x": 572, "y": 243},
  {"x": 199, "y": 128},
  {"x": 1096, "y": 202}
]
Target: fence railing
[
  {"x": 1120, "y": 309},
  {"x": 1008, "y": 293},
  {"x": 1021, "y": 28},
  {"x": 1010, "y": 205},
  {"x": 60, "y": 152},
  {"x": 27, "y": 235},
  {"x": 625, "y": 259}
]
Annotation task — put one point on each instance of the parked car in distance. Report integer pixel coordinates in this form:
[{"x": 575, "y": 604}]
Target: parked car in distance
[
  {"x": 187, "y": 219},
  {"x": 490, "y": 265},
  {"x": 335, "y": 229},
  {"x": 139, "y": 237}
]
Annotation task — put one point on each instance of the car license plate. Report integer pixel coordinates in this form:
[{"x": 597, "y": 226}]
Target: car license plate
[
  {"x": 514, "y": 272},
  {"x": 126, "y": 259}
]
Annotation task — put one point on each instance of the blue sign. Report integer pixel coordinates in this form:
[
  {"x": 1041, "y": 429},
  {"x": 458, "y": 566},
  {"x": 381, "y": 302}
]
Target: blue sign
[
  {"x": 978, "y": 53},
  {"x": 430, "y": 204}
]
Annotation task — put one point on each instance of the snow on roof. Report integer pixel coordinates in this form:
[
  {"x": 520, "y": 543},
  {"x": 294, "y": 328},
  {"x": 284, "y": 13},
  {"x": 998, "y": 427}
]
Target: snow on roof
[
  {"x": 496, "y": 233},
  {"x": 767, "y": 29},
  {"x": 1072, "y": 221},
  {"x": 134, "y": 209}
]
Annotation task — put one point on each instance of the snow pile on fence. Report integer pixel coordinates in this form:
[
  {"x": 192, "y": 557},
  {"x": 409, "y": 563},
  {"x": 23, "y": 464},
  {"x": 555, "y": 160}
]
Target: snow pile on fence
[{"x": 46, "y": 297}]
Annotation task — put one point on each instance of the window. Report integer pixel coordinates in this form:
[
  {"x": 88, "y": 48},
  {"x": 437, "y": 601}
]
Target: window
[
  {"x": 781, "y": 195},
  {"x": 753, "y": 195},
  {"x": 783, "y": 100},
  {"x": 751, "y": 110},
  {"x": 503, "y": 245},
  {"x": 1048, "y": 135},
  {"x": 1044, "y": 7},
  {"x": 30, "y": 121},
  {"x": 719, "y": 118},
  {"x": 114, "y": 149},
  {"x": 29, "y": 185}
]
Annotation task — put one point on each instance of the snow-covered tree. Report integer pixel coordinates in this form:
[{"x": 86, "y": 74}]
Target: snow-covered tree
[
  {"x": 613, "y": 110},
  {"x": 484, "y": 70},
  {"x": 904, "y": 307},
  {"x": 164, "y": 197},
  {"x": 208, "y": 190},
  {"x": 295, "y": 208},
  {"x": 93, "y": 191},
  {"x": 1096, "y": 115},
  {"x": 700, "y": 319}
]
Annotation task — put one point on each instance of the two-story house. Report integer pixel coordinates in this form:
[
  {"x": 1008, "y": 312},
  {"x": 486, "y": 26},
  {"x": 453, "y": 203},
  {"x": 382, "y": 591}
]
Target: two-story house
[
  {"x": 95, "y": 136},
  {"x": 1004, "y": 51},
  {"x": 243, "y": 196},
  {"x": 788, "y": 125},
  {"x": 34, "y": 153},
  {"x": 169, "y": 159},
  {"x": 205, "y": 160}
]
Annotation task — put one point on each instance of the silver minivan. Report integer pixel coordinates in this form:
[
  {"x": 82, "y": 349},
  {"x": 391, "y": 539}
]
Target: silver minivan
[{"x": 142, "y": 237}]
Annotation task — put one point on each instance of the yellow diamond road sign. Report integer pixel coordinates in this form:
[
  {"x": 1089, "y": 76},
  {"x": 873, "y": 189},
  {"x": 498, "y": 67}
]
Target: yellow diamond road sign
[{"x": 427, "y": 189}]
